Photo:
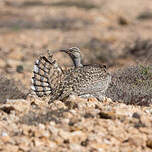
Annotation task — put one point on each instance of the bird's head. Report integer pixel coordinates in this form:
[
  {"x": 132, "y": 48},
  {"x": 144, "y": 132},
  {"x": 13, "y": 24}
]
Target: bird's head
[
  {"x": 75, "y": 55},
  {"x": 73, "y": 52}
]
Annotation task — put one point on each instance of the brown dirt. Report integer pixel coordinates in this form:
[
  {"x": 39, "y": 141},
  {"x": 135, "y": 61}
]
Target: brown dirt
[{"x": 112, "y": 32}]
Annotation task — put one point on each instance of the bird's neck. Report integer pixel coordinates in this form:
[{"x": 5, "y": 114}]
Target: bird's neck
[{"x": 77, "y": 62}]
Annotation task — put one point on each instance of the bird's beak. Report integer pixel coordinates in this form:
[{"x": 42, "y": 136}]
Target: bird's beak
[{"x": 64, "y": 50}]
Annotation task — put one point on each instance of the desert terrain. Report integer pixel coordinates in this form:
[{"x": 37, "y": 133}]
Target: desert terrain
[{"x": 112, "y": 32}]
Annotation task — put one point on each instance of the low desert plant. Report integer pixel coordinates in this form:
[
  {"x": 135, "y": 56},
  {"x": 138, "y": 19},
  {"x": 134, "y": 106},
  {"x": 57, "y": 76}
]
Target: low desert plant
[
  {"x": 77, "y": 3},
  {"x": 10, "y": 89},
  {"x": 141, "y": 50},
  {"x": 132, "y": 85}
]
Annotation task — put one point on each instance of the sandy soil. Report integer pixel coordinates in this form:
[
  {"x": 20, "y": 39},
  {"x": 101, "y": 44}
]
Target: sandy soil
[{"x": 112, "y": 32}]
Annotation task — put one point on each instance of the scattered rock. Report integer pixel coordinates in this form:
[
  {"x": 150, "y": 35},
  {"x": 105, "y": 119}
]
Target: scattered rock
[
  {"x": 28, "y": 28},
  {"x": 136, "y": 115},
  {"x": 145, "y": 15},
  {"x": 123, "y": 21},
  {"x": 19, "y": 68},
  {"x": 109, "y": 115},
  {"x": 149, "y": 143}
]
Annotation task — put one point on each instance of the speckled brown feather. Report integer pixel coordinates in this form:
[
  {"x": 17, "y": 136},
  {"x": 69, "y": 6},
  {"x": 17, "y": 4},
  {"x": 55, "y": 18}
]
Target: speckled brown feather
[{"x": 50, "y": 79}]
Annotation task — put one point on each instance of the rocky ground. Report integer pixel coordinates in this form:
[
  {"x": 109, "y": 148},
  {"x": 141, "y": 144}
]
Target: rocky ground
[{"x": 112, "y": 32}]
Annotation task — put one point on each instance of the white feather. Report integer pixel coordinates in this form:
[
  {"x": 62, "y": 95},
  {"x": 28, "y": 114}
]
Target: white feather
[
  {"x": 33, "y": 88},
  {"x": 44, "y": 84},
  {"x": 36, "y": 69},
  {"x": 37, "y": 61}
]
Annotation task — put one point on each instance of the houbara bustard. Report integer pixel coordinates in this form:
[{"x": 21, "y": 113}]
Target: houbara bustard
[{"x": 82, "y": 80}]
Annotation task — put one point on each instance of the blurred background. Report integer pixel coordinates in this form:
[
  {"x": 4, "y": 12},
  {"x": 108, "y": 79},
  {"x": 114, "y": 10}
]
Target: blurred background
[{"x": 112, "y": 32}]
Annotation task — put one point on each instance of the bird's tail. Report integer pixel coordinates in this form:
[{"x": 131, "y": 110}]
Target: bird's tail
[{"x": 45, "y": 73}]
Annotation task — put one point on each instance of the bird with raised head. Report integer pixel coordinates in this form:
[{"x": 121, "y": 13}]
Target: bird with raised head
[{"x": 81, "y": 80}]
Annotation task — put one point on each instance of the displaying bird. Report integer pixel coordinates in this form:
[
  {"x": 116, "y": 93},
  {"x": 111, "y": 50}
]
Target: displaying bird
[{"x": 81, "y": 80}]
